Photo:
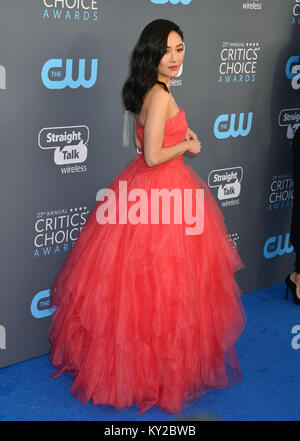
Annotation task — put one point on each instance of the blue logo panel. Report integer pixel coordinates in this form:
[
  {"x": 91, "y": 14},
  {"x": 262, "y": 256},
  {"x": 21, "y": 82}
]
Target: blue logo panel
[
  {"x": 274, "y": 246},
  {"x": 40, "y": 305},
  {"x": 225, "y": 125},
  {"x": 54, "y": 79}
]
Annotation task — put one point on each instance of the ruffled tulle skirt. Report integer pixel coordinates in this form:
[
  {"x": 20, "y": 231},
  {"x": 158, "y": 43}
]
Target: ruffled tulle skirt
[{"x": 146, "y": 314}]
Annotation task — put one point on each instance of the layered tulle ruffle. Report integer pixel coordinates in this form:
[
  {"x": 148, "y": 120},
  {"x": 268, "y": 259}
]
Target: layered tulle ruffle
[{"x": 146, "y": 314}]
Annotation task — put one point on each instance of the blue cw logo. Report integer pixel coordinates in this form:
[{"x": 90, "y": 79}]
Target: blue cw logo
[
  {"x": 292, "y": 71},
  {"x": 40, "y": 305},
  {"x": 225, "y": 126},
  {"x": 174, "y": 2},
  {"x": 54, "y": 79},
  {"x": 274, "y": 247}
]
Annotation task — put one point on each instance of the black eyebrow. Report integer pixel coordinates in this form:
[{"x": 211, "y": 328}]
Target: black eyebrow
[{"x": 176, "y": 46}]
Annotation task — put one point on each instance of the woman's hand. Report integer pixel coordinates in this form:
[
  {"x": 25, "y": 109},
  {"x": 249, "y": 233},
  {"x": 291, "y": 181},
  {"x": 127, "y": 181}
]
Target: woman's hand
[
  {"x": 190, "y": 135},
  {"x": 194, "y": 144}
]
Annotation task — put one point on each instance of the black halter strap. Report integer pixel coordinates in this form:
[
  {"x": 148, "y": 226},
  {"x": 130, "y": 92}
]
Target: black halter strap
[{"x": 164, "y": 85}]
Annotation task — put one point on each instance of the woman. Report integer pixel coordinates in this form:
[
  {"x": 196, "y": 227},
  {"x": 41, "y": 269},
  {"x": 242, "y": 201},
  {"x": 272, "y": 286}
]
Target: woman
[
  {"x": 148, "y": 312},
  {"x": 293, "y": 280}
]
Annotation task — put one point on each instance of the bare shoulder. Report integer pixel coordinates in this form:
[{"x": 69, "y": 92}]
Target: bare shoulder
[
  {"x": 158, "y": 98},
  {"x": 156, "y": 104}
]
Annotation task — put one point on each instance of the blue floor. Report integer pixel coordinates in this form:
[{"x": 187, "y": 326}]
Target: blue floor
[{"x": 270, "y": 389}]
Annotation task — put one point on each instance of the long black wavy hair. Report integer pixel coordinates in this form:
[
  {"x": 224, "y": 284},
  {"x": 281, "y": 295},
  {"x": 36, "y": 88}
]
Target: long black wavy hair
[{"x": 145, "y": 58}]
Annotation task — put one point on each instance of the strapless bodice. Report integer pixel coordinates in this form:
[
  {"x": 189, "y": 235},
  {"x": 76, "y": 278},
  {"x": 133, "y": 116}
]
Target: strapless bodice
[{"x": 174, "y": 132}]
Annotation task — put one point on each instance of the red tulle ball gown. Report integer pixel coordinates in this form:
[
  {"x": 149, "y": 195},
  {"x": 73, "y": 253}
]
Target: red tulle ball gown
[{"x": 146, "y": 313}]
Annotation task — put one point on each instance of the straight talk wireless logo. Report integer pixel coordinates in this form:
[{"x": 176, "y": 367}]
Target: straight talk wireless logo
[
  {"x": 227, "y": 182},
  {"x": 289, "y": 119},
  {"x": 69, "y": 145},
  {"x": 252, "y": 5}
]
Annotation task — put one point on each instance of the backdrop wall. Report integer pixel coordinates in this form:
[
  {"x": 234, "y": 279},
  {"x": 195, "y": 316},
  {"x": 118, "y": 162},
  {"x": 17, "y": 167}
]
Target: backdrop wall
[{"x": 64, "y": 133}]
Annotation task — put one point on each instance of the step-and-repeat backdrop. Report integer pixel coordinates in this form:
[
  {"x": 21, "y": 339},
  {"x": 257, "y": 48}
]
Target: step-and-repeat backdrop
[{"x": 64, "y": 132}]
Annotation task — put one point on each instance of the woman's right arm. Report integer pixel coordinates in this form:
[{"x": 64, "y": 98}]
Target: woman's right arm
[{"x": 156, "y": 115}]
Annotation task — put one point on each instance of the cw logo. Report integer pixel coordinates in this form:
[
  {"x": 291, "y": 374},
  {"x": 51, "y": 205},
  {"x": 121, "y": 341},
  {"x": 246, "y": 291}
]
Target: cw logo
[
  {"x": 174, "y": 2},
  {"x": 40, "y": 305},
  {"x": 54, "y": 79},
  {"x": 293, "y": 72},
  {"x": 225, "y": 126},
  {"x": 274, "y": 246}
]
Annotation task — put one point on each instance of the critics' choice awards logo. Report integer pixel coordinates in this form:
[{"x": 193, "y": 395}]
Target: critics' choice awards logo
[
  {"x": 277, "y": 245},
  {"x": 2, "y": 77},
  {"x": 70, "y": 10},
  {"x": 290, "y": 120},
  {"x": 173, "y": 2},
  {"x": 228, "y": 183},
  {"x": 232, "y": 125},
  {"x": 296, "y": 12},
  {"x": 56, "y": 231},
  {"x": 238, "y": 62},
  {"x": 292, "y": 71},
  {"x": 252, "y": 5},
  {"x": 69, "y": 144},
  {"x": 281, "y": 192},
  {"x": 57, "y": 74}
]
